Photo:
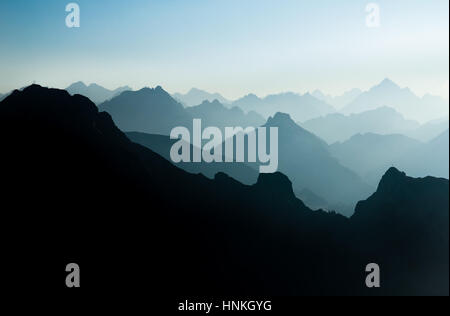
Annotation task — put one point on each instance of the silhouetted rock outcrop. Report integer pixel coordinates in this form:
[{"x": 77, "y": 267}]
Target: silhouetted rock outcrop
[
  {"x": 410, "y": 215},
  {"x": 403, "y": 100}
]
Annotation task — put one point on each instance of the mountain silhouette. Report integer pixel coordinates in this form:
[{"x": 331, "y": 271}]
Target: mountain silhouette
[
  {"x": 337, "y": 127},
  {"x": 338, "y": 102},
  {"x": 307, "y": 161},
  {"x": 196, "y": 96},
  {"x": 299, "y": 107},
  {"x": 416, "y": 212},
  {"x": 151, "y": 111},
  {"x": 82, "y": 192},
  {"x": 388, "y": 93},
  {"x": 94, "y": 92},
  {"x": 216, "y": 114}
]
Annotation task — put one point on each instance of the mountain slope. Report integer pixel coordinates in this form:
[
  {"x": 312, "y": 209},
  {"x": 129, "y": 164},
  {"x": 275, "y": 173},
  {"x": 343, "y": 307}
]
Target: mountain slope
[
  {"x": 162, "y": 144},
  {"x": 96, "y": 93},
  {"x": 387, "y": 93},
  {"x": 338, "y": 127},
  {"x": 338, "y": 102},
  {"x": 151, "y": 111},
  {"x": 306, "y": 159}
]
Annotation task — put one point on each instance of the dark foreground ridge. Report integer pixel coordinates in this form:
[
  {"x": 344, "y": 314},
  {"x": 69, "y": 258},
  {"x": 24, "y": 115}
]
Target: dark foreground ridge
[{"x": 77, "y": 190}]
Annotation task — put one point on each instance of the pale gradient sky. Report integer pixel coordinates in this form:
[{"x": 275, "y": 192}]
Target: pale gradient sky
[{"x": 230, "y": 46}]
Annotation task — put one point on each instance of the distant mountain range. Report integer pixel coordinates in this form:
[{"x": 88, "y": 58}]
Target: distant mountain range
[
  {"x": 154, "y": 111},
  {"x": 339, "y": 127},
  {"x": 365, "y": 153},
  {"x": 370, "y": 155},
  {"x": 151, "y": 111},
  {"x": 65, "y": 164},
  {"x": 318, "y": 179},
  {"x": 429, "y": 130},
  {"x": 197, "y": 96},
  {"x": 299, "y": 107},
  {"x": 216, "y": 114},
  {"x": 387, "y": 93},
  {"x": 95, "y": 92},
  {"x": 338, "y": 102}
]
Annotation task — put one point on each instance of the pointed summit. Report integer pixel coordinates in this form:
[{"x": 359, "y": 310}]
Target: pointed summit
[
  {"x": 392, "y": 180},
  {"x": 285, "y": 122},
  {"x": 280, "y": 119},
  {"x": 387, "y": 84}
]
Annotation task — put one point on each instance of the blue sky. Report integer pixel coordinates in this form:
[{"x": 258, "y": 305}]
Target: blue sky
[{"x": 229, "y": 46}]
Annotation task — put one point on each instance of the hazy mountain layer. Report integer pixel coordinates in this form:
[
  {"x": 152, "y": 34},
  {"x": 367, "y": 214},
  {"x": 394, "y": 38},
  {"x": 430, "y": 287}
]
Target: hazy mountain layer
[
  {"x": 151, "y": 111},
  {"x": 338, "y": 102},
  {"x": 96, "y": 93},
  {"x": 216, "y": 114},
  {"x": 338, "y": 127},
  {"x": 162, "y": 144},
  {"x": 370, "y": 155},
  {"x": 369, "y": 152},
  {"x": 196, "y": 97},
  {"x": 306, "y": 160},
  {"x": 430, "y": 130},
  {"x": 82, "y": 192},
  {"x": 299, "y": 107},
  {"x": 387, "y": 93},
  {"x": 430, "y": 159}
]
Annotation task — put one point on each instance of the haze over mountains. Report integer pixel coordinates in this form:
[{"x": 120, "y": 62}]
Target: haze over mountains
[
  {"x": 332, "y": 118},
  {"x": 192, "y": 235},
  {"x": 388, "y": 93},
  {"x": 371, "y": 154},
  {"x": 216, "y": 114},
  {"x": 95, "y": 92},
  {"x": 339, "y": 127},
  {"x": 197, "y": 96},
  {"x": 299, "y": 107},
  {"x": 316, "y": 175},
  {"x": 160, "y": 144},
  {"x": 151, "y": 111},
  {"x": 338, "y": 102},
  {"x": 329, "y": 178},
  {"x": 307, "y": 161}
]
